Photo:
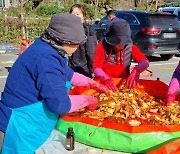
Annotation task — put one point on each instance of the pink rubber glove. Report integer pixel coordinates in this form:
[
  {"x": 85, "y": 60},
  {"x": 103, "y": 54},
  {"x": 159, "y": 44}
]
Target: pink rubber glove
[
  {"x": 81, "y": 80},
  {"x": 80, "y": 101},
  {"x": 109, "y": 83},
  {"x": 99, "y": 87},
  {"x": 133, "y": 78},
  {"x": 105, "y": 79},
  {"x": 173, "y": 86}
]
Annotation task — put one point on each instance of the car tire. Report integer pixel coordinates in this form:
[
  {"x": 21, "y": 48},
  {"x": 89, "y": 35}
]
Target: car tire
[{"x": 166, "y": 56}]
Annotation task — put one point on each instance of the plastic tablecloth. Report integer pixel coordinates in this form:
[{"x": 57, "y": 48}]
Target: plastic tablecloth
[{"x": 56, "y": 144}]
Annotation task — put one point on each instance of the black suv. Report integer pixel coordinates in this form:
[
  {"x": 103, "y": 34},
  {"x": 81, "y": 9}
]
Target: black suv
[{"x": 153, "y": 33}]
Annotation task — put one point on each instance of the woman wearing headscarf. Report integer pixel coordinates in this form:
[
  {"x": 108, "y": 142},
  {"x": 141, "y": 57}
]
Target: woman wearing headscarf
[
  {"x": 114, "y": 54},
  {"x": 35, "y": 92}
]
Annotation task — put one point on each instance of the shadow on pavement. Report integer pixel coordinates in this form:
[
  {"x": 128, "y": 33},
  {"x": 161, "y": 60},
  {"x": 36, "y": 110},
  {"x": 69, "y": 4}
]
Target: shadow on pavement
[
  {"x": 8, "y": 68},
  {"x": 155, "y": 58}
]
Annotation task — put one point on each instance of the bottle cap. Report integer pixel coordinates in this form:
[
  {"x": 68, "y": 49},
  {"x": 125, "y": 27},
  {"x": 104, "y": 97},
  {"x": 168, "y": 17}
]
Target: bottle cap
[{"x": 70, "y": 129}]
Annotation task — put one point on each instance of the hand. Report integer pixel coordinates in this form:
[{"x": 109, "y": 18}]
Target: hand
[
  {"x": 99, "y": 87},
  {"x": 93, "y": 103},
  {"x": 105, "y": 79},
  {"x": 133, "y": 78},
  {"x": 170, "y": 99},
  {"x": 80, "y": 101},
  {"x": 80, "y": 80},
  {"x": 172, "y": 90},
  {"x": 111, "y": 85}
]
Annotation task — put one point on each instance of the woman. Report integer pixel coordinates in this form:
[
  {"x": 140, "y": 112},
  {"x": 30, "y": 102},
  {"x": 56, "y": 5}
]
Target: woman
[
  {"x": 81, "y": 60},
  {"x": 35, "y": 93},
  {"x": 114, "y": 54},
  {"x": 173, "y": 86}
]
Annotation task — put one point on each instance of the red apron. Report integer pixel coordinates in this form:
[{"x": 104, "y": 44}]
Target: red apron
[{"x": 116, "y": 70}]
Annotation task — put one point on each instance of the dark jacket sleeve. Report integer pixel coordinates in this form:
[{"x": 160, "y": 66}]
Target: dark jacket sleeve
[{"x": 91, "y": 45}]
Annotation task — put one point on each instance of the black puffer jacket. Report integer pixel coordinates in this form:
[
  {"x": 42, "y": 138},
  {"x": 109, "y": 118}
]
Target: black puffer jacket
[{"x": 82, "y": 58}]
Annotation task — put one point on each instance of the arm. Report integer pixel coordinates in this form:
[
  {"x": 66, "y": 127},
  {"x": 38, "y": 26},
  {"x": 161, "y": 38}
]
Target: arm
[
  {"x": 80, "y": 101},
  {"x": 91, "y": 45},
  {"x": 173, "y": 86},
  {"x": 81, "y": 80},
  {"x": 98, "y": 63},
  {"x": 139, "y": 57},
  {"x": 105, "y": 79},
  {"x": 53, "y": 90},
  {"x": 52, "y": 85},
  {"x": 99, "y": 56},
  {"x": 143, "y": 64}
]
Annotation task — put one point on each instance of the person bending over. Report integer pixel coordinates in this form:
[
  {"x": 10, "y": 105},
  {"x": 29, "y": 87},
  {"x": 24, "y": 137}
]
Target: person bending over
[
  {"x": 113, "y": 57},
  {"x": 35, "y": 92}
]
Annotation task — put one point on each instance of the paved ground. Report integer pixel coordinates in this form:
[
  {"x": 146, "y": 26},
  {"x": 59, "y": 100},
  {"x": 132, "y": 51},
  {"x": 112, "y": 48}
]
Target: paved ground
[{"x": 6, "y": 61}]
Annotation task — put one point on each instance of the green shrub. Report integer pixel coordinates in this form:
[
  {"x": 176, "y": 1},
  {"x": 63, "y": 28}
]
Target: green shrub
[
  {"x": 28, "y": 7},
  {"x": 14, "y": 11},
  {"x": 11, "y": 29},
  {"x": 35, "y": 27},
  {"x": 47, "y": 10}
]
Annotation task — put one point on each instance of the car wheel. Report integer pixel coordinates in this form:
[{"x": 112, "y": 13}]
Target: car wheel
[
  {"x": 177, "y": 55},
  {"x": 166, "y": 56}
]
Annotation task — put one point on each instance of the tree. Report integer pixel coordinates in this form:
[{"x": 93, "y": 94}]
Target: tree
[{"x": 22, "y": 2}]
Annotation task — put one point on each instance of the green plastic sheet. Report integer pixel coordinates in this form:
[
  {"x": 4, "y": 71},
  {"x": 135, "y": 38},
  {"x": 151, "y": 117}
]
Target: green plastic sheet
[{"x": 117, "y": 140}]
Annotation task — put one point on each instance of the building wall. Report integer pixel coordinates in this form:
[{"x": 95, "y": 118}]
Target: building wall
[
  {"x": 2, "y": 3},
  {"x": 8, "y": 3}
]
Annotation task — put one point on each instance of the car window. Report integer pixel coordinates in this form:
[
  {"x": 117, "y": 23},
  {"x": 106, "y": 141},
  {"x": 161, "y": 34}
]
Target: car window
[
  {"x": 104, "y": 21},
  {"x": 130, "y": 18},
  {"x": 169, "y": 11},
  {"x": 162, "y": 20},
  {"x": 179, "y": 14}
]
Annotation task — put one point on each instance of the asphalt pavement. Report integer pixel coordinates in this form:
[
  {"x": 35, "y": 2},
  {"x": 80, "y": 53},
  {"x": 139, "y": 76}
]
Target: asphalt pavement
[
  {"x": 162, "y": 69},
  {"x": 6, "y": 62}
]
